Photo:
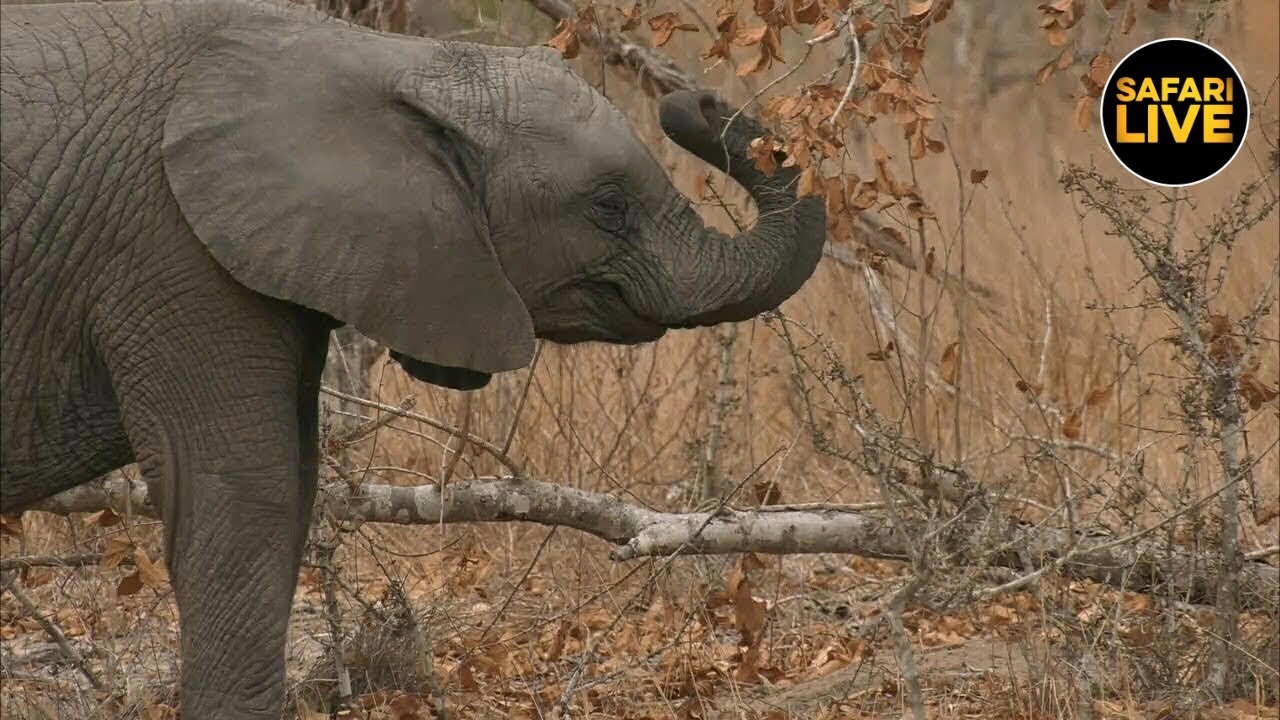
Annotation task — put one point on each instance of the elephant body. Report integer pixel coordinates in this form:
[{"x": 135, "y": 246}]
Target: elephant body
[
  {"x": 90, "y": 246},
  {"x": 195, "y": 194}
]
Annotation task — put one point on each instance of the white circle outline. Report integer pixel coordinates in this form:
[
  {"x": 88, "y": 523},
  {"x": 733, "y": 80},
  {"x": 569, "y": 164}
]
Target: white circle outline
[{"x": 1103, "y": 124}]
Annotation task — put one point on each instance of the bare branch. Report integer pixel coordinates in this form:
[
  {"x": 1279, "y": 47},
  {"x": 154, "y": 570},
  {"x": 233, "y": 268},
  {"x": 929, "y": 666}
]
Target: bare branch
[{"x": 1140, "y": 564}]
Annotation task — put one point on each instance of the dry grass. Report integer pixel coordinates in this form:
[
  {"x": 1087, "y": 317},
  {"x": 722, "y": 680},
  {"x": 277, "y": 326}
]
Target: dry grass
[{"x": 516, "y": 616}]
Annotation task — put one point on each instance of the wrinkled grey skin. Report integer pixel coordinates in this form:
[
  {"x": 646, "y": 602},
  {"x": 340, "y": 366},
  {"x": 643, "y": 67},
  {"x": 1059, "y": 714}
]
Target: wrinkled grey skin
[{"x": 194, "y": 195}]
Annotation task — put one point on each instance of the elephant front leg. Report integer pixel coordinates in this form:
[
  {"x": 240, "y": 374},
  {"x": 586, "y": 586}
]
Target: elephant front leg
[
  {"x": 231, "y": 453},
  {"x": 235, "y": 552}
]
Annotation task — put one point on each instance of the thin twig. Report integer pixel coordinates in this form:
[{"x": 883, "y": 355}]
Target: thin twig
[
  {"x": 497, "y": 453},
  {"x": 1260, "y": 554},
  {"x": 855, "y": 49},
  {"x": 53, "y": 631}
]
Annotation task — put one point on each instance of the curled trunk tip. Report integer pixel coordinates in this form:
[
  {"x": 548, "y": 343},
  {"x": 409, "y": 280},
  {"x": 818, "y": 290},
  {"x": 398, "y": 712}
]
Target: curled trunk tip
[{"x": 742, "y": 276}]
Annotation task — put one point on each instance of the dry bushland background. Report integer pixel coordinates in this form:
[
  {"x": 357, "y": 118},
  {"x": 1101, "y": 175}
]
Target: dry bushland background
[{"x": 1028, "y": 357}]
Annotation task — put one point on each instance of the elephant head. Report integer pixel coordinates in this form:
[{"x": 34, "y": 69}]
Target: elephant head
[{"x": 454, "y": 201}]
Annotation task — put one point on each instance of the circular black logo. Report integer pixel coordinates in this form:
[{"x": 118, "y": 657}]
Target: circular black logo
[{"x": 1174, "y": 112}]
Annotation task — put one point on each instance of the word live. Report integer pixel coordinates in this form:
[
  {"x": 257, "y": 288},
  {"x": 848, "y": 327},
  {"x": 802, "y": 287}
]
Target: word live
[{"x": 1210, "y": 97}]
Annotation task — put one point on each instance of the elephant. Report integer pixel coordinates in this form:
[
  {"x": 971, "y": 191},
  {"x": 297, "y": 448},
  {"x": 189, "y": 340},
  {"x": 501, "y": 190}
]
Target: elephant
[{"x": 196, "y": 193}]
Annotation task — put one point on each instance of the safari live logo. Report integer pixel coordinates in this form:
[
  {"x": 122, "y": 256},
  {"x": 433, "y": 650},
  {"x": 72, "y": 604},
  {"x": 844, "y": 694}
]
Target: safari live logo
[{"x": 1175, "y": 112}]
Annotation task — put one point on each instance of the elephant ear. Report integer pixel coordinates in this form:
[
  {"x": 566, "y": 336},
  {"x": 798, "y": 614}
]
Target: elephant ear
[{"x": 316, "y": 174}]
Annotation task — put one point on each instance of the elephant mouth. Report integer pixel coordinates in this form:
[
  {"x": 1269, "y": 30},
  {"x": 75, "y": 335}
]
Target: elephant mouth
[{"x": 610, "y": 317}]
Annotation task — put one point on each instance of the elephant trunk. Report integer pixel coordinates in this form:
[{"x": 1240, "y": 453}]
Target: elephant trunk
[{"x": 729, "y": 279}]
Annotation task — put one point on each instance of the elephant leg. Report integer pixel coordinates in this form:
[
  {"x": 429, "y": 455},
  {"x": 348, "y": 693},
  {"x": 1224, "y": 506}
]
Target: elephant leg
[{"x": 223, "y": 420}]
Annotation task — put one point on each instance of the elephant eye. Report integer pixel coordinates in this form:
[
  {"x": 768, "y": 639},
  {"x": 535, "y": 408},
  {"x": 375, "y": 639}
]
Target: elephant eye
[{"x": 610, "y": 209}]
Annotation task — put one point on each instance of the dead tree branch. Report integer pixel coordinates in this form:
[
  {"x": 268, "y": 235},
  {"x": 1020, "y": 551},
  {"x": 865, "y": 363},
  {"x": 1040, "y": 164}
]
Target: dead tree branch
[{"x": 1140, "y": 565}]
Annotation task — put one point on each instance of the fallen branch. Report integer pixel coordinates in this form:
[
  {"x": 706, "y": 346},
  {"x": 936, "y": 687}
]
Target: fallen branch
[{"x": 1141, "y": 565}]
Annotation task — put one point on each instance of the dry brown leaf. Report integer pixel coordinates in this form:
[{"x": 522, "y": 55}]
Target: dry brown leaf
[
  {"x": 755, "y": 64},
  {"x": 977, "y": 176},
  {"x": 894, "y": 234},
  {"x": 159, "y": 711},
  {"x": 1066, "y": 58},
  {"x": 129, "y": 584},
  {"x": 1255, "y": 392},
  {"x": 809, "y": 183},
  {"x": 882, "y": 354},
  {"x": 879, "y": 154},
  {"x": 1098, "y": 396},
  {"x": 1071, "y": 426},
  {"x": 917, "y": 143},
  {"x": 824, "y": 26},
  {"x": 749, "y": 36},
  {"x": 761, "y": 151},
  {"x": 586, "y": 18},
  {"x": 566, "y": 40},
  {"x": 835, "y": 196},
  {"x": 103, "y": 518},
  {"x": 727, "y": 26},
  {"x": 950, "y": 363},
  {"x": 942, "y": 638},
  {"x": 885, "y": 181},
  {"x": 751, "y": 562},
  {"x": 865, "y": 196},
  {"x": 773, "y": 42},
  {"x": 310, "y": 578},
  {"x": 701, "y": 185},
  {"x": 917, "y": 8},
  {"x": 558, "y": 640},
  {"x": 807, "y": 14},
  {"x": 631, "y": 17},
  {"x": 1091, "y": 88},
  {"x": 1265, "y": 513},
  {"x": 1084, "y": 113},
  {"x": 11, "y": 525},
  {"x": 664, "y": 25},
  {"x": 405, "y": 706},
  {"x": 997, "y": 615},
  {"x": 917, "y": 210},
  {"x": 118, "y": 548},
  {"x": 748, "y": 667},
  {"x": 1225, "y": 351},
  {"x": 153, "y": 575},
  {"x": 1045, "y": 72},
  {"x": 467, "y": 677},
  {"x": 1100, "y": 68},
  {"x": 1130, "y": 17},
  {"x": 726, "y": 17},
  {"x": 1057, "y": 35},
  {"x": 767, "y": 492},
  {"x": 1219, "y": 325},
  {"x": 748, "y": 614}
]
